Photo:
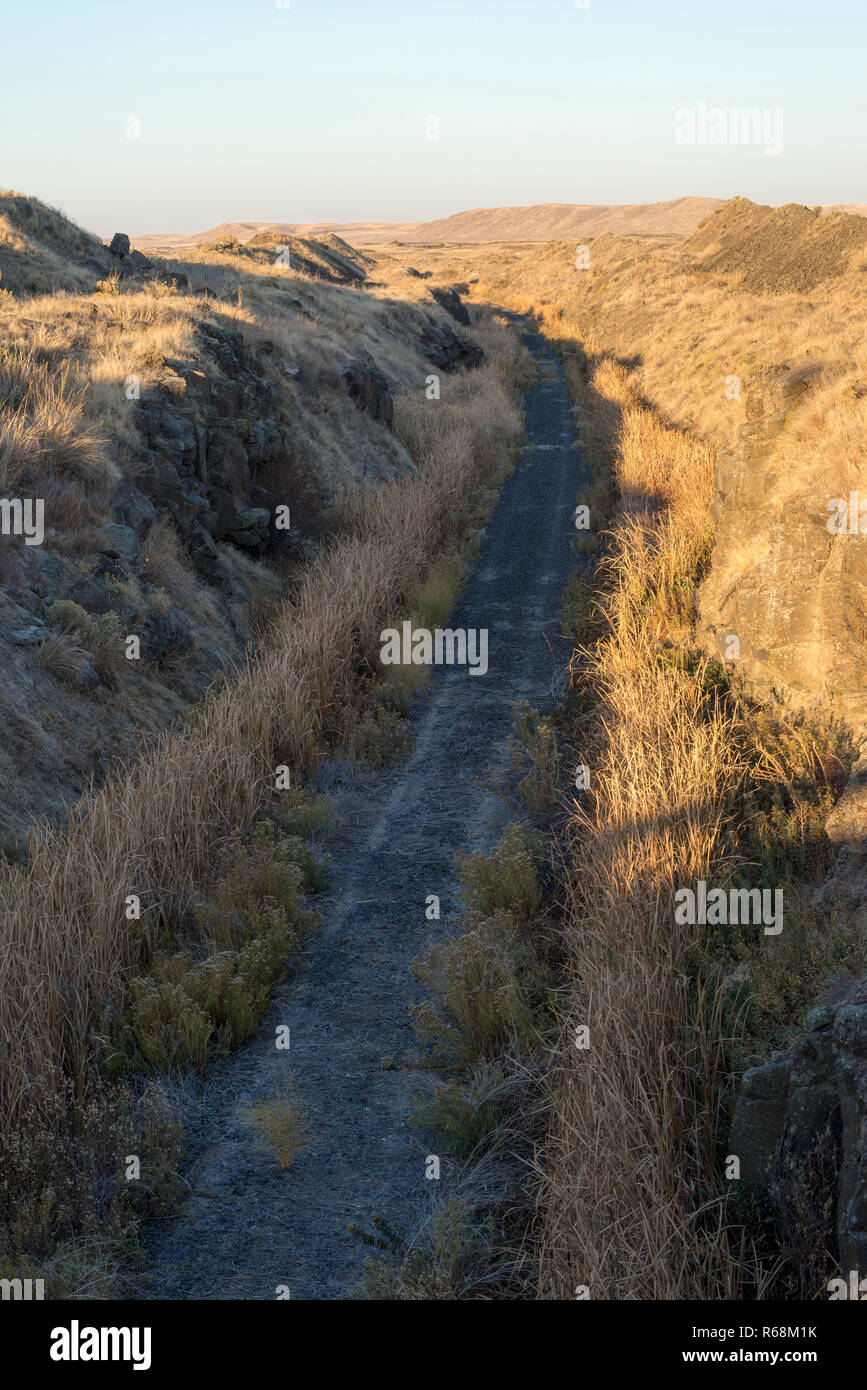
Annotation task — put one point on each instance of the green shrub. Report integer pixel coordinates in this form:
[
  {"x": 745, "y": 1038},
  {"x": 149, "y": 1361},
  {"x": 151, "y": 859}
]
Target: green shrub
[
  {"x": 539, "y": 742},
  {"x": 100, "y": 636},
  {"x": 431, "y": 600},
  {"x": 209, "y": 997},
  {"x": 454, "y": 1261},
  {"x": 480, "y": 1008},
  {"x": 507, "y": 880},
  {"x": 464, "y": 1115}
]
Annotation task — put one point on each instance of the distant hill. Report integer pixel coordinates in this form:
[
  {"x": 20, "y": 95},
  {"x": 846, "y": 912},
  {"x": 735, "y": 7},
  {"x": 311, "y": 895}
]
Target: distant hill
[
  {"x": 542, "y": 222},
  {"x": 561, "y": 221},
  {"x": 357, "y": 233},
  {"x": 858, "y": 209}
]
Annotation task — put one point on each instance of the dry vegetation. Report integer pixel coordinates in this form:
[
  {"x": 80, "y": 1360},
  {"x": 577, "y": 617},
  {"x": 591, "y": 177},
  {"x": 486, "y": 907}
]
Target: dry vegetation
[
  {"x": 688, "y": 780},
  {"x": 91, "y": 363},
  {"x": 635, "y": 1110},
  {"x": 96, "y": 1000},
  {"x": 680, "y": 314}
]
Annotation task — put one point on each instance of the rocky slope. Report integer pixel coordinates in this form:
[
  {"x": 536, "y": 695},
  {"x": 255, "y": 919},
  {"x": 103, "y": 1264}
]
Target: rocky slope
[{"x": 189, "y": 429}]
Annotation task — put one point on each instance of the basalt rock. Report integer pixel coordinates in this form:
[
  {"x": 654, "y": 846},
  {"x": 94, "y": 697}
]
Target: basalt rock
[
  {"x": 451, "y": 302},
  {"x": 119, "y": 244},
  {"x": 370, "y": 390},
  {"x": 793, "y": 594},
  {"x": 448, "y": 350},
  {"x": 210, "y": 432},
  {"x": 800, "y": 1125}
]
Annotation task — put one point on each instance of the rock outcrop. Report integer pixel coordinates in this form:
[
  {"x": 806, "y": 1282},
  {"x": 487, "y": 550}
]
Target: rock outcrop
[
  {"x": 208, "y": 431},
  {"x": 370, "y": 390},
  {"x": 447, "y": 349},
  {"x": 202, "y": 469},
  {"x": 794, "y": 594},
  {"x": 450, "y": 300},
  {"x": 800, "y": 1124}
]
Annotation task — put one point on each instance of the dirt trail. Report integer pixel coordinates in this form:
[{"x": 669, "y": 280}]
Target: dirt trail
[{"x": 249, "y": 1228}]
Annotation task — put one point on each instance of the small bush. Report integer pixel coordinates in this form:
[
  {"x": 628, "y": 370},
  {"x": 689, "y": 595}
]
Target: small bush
[
  {"x": 209, "y": 997},
  {"x": 61, "y": 658},
  {"x": 401, "y": 683},
  {"x": 432, "y": 599},
  {"x": 306, "y": 817},
  {"x": 378, "y": 738},
  {"x": 100, "y": 637},
  {"x": 464, "y": 1115},
  {"x": 280, "y": 1127},
  {"x": 454, "y": 1260},
  {"x": 539, "y": 743},
  {"x": 481, "y": 1009},
  {"x": 172, "y": 1032},
  {"x": 507, "y": 880}
]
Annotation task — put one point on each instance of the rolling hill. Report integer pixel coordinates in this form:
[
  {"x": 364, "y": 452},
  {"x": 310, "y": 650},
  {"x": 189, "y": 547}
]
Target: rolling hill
[{"x": 542, "y": 222}]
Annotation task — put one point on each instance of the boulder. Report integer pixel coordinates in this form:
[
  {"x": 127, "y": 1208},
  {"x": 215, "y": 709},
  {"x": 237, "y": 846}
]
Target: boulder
[
  {"x": 162, "y": 634},
  {"x": 446, "y": 349},
  {"x": 250, "y": 527},
  {"x": 119, "y": 244},
  {"x": 450, "y": 301},
  {"x": 31, "y": 636},
  {"x": 800, "y": 1123},
  {"x": 95, "y": 595},
  {"x": 118, "y": 542}
]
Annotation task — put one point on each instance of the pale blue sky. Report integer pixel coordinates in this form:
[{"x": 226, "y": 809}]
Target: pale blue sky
[{"x": 318, "y": 111}]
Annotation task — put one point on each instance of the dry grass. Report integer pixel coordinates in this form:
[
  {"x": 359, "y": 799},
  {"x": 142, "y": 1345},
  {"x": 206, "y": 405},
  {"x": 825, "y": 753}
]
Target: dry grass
[
  {"x": 67, "y": 948},
  {"x": 280, "y": 1127},
  {"x": 63, "y": 659},
  {"x": 633, "y": 1138},
  {"x": 686, "y": 332},
  {"x": 686, "y": 781}
]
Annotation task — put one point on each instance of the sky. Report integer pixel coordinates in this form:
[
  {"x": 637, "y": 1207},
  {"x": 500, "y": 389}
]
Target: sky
[{"x": 177, "y": 115}]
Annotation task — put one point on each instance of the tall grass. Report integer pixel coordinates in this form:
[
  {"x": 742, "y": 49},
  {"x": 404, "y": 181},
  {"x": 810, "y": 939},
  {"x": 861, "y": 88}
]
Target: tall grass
[{"x": 634, "y": 1115}]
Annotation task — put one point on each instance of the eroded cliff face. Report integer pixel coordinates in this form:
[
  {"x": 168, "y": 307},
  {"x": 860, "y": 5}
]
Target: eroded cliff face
[
  {"x": 800, "y": 1127},
  {"x": 792, "y": 594},
  {"x": 784, "y": 606}
]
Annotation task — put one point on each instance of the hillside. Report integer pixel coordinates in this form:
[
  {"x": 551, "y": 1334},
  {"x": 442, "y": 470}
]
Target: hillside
[
  {"x": 558, "y": 221},
  {"x": 163, "y": 411},
  {"x": 751, "y": 327},
  {"x": 358, "y": 233},
  {"x": 543, "y": 222},
  {"x": 240, "y": 473},
  {"x": 775, "y": 250},
  {"x": 700, "y": 397}
]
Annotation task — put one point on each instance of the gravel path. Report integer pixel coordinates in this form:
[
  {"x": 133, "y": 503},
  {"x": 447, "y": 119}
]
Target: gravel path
[{"x": 249, "y": 1228}]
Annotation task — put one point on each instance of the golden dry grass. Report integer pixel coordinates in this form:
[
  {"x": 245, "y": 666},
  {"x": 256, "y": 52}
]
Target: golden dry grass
[{"x": 633, "y": 1133}]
